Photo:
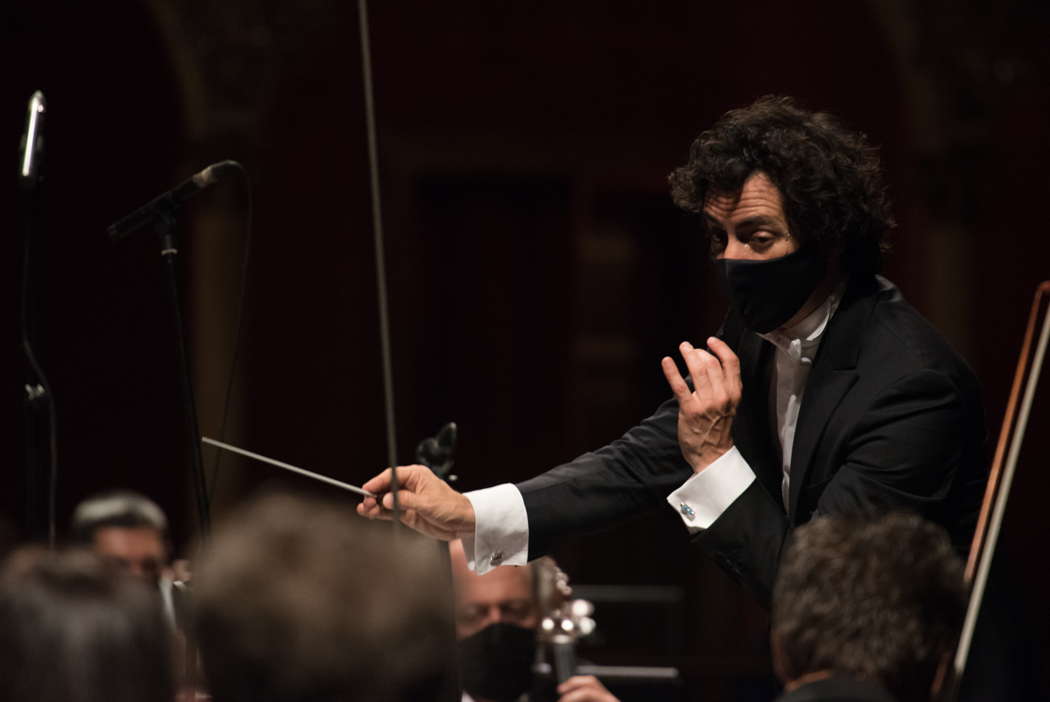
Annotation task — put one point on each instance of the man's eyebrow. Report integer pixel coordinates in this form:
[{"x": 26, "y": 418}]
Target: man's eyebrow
[
  {"x": 759, "y": 221},
  {"x": 711, "y": 221}
]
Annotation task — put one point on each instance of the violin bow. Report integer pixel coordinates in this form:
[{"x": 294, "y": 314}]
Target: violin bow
[{"x": 1000, "y": 480}]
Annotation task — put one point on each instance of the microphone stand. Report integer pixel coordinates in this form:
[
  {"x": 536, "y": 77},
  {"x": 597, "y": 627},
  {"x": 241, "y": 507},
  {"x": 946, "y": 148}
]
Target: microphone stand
[
  {"x": 169, "y": 252},
  {"x": 39, "y": 415},
  {"x": 162, "y": 210}
]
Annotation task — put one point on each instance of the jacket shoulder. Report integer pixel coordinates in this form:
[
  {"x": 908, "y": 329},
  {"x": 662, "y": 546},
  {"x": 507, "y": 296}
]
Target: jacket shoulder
[{"x": 898, "y": 336}]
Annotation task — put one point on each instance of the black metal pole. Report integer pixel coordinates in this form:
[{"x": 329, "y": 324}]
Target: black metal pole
[{"x": 169, "y": 252}]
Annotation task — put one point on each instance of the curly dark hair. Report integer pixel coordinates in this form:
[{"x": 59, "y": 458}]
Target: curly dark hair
[
  {"x": 829, "y": 177},
  {"x": 877, "y": 599}
]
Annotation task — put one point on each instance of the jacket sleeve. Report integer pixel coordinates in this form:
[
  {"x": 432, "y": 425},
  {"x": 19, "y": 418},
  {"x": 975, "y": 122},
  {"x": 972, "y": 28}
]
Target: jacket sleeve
[
  {"x": 607, "y": 486},
  {"x": 904, "y": 453}
]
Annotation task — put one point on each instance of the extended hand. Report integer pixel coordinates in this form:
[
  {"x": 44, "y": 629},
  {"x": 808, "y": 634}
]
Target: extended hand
[
  {"x": 584, "y": 688},
  {"x": 705, "y": 415},
  {"x": 427, "y": 503}
]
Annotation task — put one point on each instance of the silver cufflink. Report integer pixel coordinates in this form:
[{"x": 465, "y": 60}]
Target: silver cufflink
[
  {"x": 687, "y": 511},
  {"x": 497, "y": 558}
]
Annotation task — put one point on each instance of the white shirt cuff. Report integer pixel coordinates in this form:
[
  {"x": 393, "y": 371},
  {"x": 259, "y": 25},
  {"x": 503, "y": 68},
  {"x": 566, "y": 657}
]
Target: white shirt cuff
[
  {"x": 501, "y": 529},
  {"x": 704, "y": 497}
]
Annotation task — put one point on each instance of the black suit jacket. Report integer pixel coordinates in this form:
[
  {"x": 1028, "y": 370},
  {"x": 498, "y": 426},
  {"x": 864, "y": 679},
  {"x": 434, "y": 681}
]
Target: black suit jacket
[{"x": 891, "y": 419}]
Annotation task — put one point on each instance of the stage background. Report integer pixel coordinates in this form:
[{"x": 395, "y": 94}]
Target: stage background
[{"x": 537, "y": 268}]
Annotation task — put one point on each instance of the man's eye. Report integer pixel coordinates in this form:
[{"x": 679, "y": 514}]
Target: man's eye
[
  {"x": 518, "y": 610},
  {"x": 717, "y": 243},
  {"x": 472, "y": 614}
]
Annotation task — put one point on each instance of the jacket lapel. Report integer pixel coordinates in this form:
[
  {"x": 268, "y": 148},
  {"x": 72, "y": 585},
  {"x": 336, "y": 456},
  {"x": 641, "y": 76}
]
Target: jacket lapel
[
  {"x": 753, "y": 431},
  {"x": 833, "y": 374}
]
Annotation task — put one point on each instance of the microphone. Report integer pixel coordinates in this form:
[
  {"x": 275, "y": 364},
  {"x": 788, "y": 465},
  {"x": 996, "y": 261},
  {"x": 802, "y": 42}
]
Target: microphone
[
  {"x": 33, "y": 141},
  {"x": 169, "y": 201}
]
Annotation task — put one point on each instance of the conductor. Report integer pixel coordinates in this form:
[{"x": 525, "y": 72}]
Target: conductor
[{"x": 824, "y": 391}]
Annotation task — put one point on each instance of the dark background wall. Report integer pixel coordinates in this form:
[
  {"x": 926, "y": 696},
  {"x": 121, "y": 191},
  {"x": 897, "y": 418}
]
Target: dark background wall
[{"x": 537, "y": 269}]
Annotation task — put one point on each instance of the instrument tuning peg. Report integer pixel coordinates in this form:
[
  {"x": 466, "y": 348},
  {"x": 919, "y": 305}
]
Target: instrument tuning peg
[{"x": 581, "y": 608}]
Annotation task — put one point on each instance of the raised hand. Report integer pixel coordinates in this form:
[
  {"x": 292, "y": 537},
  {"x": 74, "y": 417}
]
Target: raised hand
[
  {"x": 427, "y": 503},
  {"x": 705, "y": 414}
]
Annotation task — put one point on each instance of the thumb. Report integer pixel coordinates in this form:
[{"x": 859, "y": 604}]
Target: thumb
[{"x": 405, "y": 500}]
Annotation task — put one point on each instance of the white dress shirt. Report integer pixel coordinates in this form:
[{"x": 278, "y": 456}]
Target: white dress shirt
[
  {"x": 702, "y": 499},
  {"x": 501, "y": 533}
]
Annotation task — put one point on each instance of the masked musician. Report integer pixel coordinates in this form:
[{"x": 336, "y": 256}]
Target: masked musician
[
  {"x": 496, "y": 619},
  {"x": 864, "y": 611},
  {"x": 824, "y": 392}
]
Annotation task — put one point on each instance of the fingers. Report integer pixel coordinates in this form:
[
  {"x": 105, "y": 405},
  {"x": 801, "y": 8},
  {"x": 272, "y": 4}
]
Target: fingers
[
  {"x": 584, "y": 688},
  {"x": 372, "y": 511},
  {"x": 412, "y": 478},
  {"x": 698, "y": 371},
  {"x": 375, "y": 507},
  {"x": 405, "y": 500},
  {"x": 378, "y": 484},
  {"x": 576, "y": 682},
  {"x": 425, "y": 503},
  {"x": 409, "y": 517},
  {"x": 730, "y": 363},
  {"x": 716, "y": 377},
  {"x": 709, "y": 384},
  {"x": 674, "y": 379},
  {"x": 696, "y": 361}
]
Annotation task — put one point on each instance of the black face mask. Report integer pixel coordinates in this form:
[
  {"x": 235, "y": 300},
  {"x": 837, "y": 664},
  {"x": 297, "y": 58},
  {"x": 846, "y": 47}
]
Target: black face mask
[
  {"x": 769, "y": 293},
  {"x": 497, "y": 661}
]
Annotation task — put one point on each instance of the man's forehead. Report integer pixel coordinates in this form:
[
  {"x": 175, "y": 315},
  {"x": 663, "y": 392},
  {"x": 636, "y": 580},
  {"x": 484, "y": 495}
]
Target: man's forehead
[
  {"x": 123, "y": 538},
  {"x": 505, "y": 582},
  {"x": 757, "y": 196}
]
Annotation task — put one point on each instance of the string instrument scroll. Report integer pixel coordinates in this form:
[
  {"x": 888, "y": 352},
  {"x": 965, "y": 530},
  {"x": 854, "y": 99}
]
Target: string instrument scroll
[{"x": 564, "y": 621}]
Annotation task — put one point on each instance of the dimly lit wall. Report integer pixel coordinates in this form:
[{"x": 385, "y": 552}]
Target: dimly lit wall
[{"x": 537, "y": 269}]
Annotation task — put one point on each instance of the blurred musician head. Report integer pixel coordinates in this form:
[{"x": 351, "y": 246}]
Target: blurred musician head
[
  {"x": 297, "y": 600},
  {"x": 126, "y": 528},
  {"x": 867, "y": 602},
  {"x": 73, "y": 630}
]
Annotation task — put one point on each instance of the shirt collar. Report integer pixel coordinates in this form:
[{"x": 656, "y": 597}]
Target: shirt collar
[{"x": 800, "y": 341}]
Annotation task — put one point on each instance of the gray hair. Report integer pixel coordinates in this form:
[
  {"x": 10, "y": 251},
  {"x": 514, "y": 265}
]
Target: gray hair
[
  {"x": 116, "y": 509},
  {"x": 875, "y": 599}
]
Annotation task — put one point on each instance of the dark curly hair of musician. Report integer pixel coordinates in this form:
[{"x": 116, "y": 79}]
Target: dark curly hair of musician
[
  {"x": 880, "y": 600},
  {"x": 829, "y": 177}
]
